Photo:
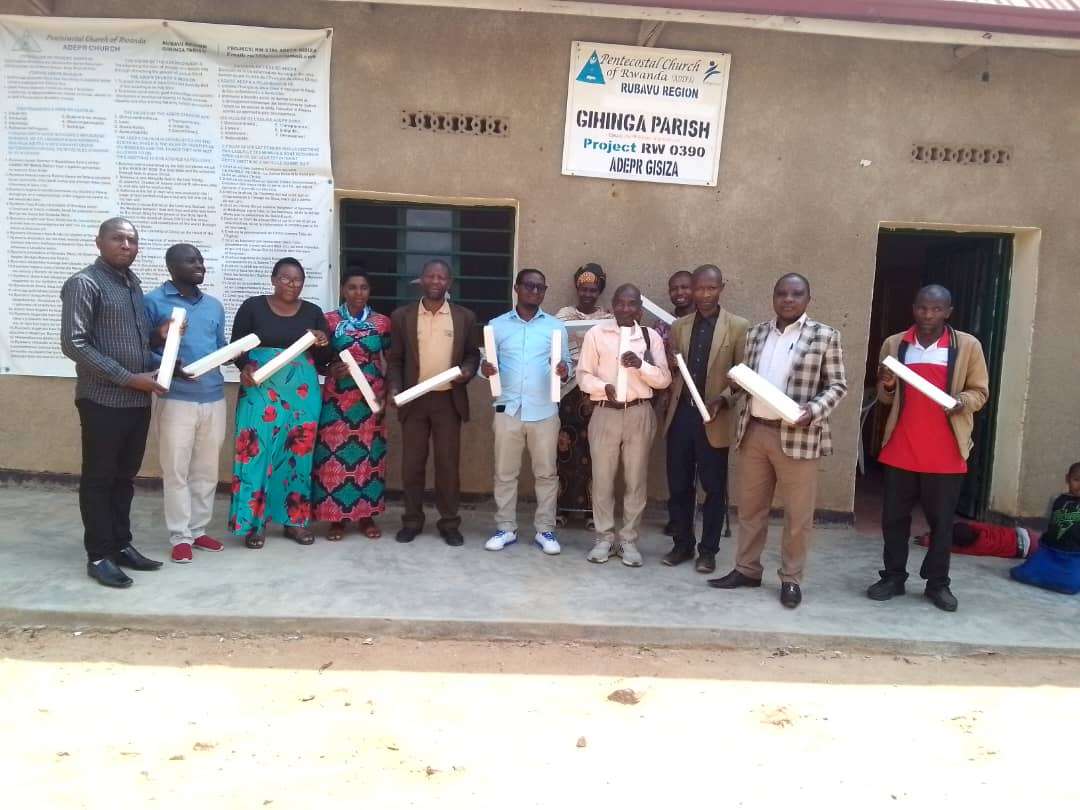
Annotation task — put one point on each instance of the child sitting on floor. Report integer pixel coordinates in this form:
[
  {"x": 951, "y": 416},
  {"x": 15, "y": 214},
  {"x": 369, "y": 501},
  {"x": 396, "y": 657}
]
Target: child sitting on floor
[{"x": 1056, "y": 565}]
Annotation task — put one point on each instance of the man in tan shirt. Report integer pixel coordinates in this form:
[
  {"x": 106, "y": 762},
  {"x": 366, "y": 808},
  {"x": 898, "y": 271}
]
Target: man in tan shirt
[{"x": 621, "y": 428}]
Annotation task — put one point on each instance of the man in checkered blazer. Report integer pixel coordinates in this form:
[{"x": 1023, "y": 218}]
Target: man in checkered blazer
[{"x": 804, "y": 359}]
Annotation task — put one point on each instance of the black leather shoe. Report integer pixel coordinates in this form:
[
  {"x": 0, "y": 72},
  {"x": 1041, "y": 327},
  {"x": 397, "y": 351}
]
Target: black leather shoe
[
  {"x": 736, "y": 579},
  {"x": 885, "y": 589},
  {"x": 129, "y": 557},
  {"x": 706, "y": 563},
  {"x": 406, "y": 535},
  {"x": 790, "y": 594},
  {"x": 107, "y": 573},
  {"x": 942, "y": 598},
  {"x": 678, "y": 555},
  {"x": 453, "y": 537}
]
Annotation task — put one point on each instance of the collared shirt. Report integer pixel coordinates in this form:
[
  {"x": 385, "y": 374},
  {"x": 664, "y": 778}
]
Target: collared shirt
[
  {"x": 103, "y": 328},
  {"x": 697, "y": 358},
  {"x": 923, "y": 440},
  {"x": 434, "y": 341},
  {"x": 775, "y": 363},
  {"x": 599, "y": 364},
  {"x": 205, "y": 333},
  {"x": 523, "y": 349}
]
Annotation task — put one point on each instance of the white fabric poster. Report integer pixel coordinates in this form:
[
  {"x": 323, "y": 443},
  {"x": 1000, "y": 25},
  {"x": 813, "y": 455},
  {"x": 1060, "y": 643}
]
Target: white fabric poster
[
  {"x": 216, "y": 135},
  {"x": 646, "y": 114}
]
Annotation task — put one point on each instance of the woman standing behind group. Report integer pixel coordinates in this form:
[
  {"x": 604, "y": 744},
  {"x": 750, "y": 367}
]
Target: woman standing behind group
[
  {"x": 276, "y": 421},
  {"x": 575, "y": 409},
  {"x": 350, "y": 466}
]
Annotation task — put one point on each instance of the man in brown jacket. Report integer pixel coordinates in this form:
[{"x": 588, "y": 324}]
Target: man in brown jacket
[
  {"x": 711, "y": 340},
  {"x": 428, "y": 338},
  {"x": 926, "y": 447}
]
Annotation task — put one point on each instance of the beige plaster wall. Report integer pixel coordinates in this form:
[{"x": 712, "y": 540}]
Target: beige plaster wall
[{"x": 802, "y": 112}]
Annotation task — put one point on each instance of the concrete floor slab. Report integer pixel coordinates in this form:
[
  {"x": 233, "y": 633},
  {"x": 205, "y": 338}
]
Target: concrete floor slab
[{"x": 428, "y": 589}]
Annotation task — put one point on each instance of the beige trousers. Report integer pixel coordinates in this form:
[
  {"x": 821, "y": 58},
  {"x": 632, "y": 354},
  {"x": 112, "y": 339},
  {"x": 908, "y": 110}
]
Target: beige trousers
[
  {"x": 762, "y": 468},
  {"x": 613, "y": 435},
  {"x": 189, "y": 442},
  {"x": 512, "y": 437}
]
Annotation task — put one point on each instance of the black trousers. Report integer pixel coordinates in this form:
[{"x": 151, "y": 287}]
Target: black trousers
[
  {"x": 938, "y": 495},
  {"x": 113, "y": 441},
  {"x": 432, "y": 419},
  {"x": 690, "y": 458}
]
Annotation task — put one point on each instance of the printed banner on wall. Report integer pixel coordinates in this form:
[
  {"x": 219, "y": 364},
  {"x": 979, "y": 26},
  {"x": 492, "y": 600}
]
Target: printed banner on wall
[
  {"x": 645, "y": 114},
  {"x": 216, "y": 135}
]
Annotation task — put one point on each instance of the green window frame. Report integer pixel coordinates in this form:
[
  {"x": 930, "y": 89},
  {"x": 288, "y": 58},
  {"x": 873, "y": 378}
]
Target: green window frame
[{"x": 392, "y": 240}]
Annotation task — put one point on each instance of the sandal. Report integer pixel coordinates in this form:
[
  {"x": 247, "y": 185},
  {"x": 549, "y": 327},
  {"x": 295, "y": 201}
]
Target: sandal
[
  {"x": 254, "y": 541},
  {"x": 302, "y": 536},
  {"x": 370, "y": 530},
  {"x": 336, "y": 532}
]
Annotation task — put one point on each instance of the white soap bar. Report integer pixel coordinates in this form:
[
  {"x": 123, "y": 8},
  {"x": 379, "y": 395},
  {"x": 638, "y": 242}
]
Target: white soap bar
[
  {"x": 418, "y": 390},
  {"x": 658, "y": 311},
  {"x": 222, "y": 356},
  {"x": 584, "y": 324},
  {"x": 360, "y": 380},
  {"x": 695, "y": 395},
  {"x": 556, "y": 358},
  {"x": 172, "y": 348},
  {"x": 283, "y": 358},
  {"x": 915, "y": 380},
  {"x": 621, "y": 379},
  {"x": 758, "y": 386},
  {"x": 492, "y": 357}
]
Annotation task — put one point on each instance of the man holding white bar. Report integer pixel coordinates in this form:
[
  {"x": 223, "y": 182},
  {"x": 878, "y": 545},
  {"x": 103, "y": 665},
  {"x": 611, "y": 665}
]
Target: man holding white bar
[
  {"x": 621, "y": 429},
  {"x": 191, "y": 417},
  {"x": 526, "y": 417},
  {"x": 803, "y": 359},
  {"x": 925, "y": 447},
  {"x": 103, "y": 328},
  {"x": 428, "y": 338},
  {"x": 711, "y": 340}
]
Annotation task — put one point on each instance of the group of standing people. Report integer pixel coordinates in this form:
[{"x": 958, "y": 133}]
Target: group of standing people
[{"x": 306, "y": 451}]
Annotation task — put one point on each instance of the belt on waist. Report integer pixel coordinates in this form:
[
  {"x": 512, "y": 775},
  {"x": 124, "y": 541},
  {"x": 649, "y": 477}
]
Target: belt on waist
[
  {"x": 773, "y": 423},
  {"x": 620, "y": 406}
]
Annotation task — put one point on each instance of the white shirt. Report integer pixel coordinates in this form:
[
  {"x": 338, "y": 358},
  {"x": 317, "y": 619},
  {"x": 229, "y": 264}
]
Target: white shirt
[{"x": 775, "y": 364}]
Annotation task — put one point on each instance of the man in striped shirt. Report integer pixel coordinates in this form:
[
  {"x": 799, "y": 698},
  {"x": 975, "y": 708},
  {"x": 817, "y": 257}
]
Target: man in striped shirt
[{"x": 105, "y": 331}]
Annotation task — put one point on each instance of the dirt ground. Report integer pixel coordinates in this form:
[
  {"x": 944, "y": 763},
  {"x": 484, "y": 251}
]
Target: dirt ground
[{"x": 185, "y": 720}]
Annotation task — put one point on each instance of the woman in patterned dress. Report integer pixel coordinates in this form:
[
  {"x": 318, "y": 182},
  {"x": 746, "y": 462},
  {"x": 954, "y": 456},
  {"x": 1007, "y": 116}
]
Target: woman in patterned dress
[
  {"x": 575, "y": 409},
  {"x": 350, "y": 452},
  {"x": 277, "y": 419}
]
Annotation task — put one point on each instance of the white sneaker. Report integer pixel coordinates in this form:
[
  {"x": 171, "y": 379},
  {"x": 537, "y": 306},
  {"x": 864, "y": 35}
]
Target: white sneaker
[
  {"x": 629, "y": 552},
  {"x": 547, "y": 542},
  {"x": 500, "y": 540},
  {"x": 601, "y": 552}
]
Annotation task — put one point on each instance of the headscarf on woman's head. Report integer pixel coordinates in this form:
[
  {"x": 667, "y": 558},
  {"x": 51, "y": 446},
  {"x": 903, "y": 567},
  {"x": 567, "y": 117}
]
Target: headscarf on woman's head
[{"x": 590, "y": 273}]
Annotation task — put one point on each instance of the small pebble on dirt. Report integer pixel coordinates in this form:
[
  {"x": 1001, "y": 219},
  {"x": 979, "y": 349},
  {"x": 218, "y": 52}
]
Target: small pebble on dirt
[
  {"x": 581, "y": 742},
  {"x": 627, "y": 697}
]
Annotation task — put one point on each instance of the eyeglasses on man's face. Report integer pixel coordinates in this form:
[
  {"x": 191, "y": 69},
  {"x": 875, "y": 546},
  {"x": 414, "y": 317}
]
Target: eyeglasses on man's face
[{"x": 534, "y": 286}]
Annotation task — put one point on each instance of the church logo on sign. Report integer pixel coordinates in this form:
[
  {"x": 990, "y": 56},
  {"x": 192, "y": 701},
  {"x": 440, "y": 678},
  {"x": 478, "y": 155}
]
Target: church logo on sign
[{"x": 591, "y": 73}]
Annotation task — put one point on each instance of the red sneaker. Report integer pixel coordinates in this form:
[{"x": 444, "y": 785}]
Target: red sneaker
[
  {"x": 207, "y": 543},
  {"x": 181, "y": 553}
]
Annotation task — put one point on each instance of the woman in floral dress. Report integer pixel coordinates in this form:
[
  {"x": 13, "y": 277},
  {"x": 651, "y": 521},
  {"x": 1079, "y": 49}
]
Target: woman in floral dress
[{"x": 350, "y": 453}]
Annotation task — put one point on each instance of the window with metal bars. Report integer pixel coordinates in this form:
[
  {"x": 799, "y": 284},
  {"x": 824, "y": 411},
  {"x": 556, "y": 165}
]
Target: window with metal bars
[{"x": 393, "y": 240}]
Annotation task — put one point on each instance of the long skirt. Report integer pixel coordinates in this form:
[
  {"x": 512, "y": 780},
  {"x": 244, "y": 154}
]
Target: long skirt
[
  {"x": 574, "y": 461},
  {"x": 276, "y": 424}
]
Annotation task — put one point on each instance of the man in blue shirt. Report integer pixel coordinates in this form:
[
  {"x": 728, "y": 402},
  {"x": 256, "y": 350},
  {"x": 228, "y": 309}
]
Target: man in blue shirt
[
  {"x": 525, "y": 416},
  {"x": 191, "y": 417}
]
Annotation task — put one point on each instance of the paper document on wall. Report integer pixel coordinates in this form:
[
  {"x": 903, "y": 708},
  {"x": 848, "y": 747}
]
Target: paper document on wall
[
  {"x": 221, "y": 356},
  {"x": 915, "y": 380},
  {"x": 758, "y": 386},
  {"x": 283, "y": 358},
  {"x": 695, "y": 395},
  {"x": 172, "y": 348},
  {"x": 361, "y": 381},
  {"x": 418, "y": 390}
]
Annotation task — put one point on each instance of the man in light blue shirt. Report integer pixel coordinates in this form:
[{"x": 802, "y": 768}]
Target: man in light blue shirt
[
  {"x": 525, "y": 415},
  {"x": 191, "y": 417}
]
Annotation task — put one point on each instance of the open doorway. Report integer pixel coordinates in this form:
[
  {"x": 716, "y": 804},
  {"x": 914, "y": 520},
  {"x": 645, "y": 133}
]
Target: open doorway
[{"x": 976, "y": 268}]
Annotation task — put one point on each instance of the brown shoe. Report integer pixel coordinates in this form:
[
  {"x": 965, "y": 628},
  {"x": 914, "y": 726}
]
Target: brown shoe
[
  {"x": 736, "y": 579},
  {"x": 706, "y": 563},
  {"x": 677, "y": 556}
]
